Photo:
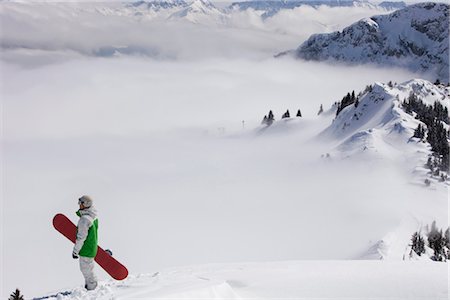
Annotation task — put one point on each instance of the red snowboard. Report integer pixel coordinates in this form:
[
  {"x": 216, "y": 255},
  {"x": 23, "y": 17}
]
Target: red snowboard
[{"x": 106, "y": 261}]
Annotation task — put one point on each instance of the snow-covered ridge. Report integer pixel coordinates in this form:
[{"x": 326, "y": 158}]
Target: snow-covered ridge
[
  {"x": 158, "y": 4},
  {"x": 277, "y": 280},
  {"x": 416, "y": 37},
  {"x": 377, "y": 126},
  {"x": 193, "y": 11},
  {"x": 380, "y": 107}
]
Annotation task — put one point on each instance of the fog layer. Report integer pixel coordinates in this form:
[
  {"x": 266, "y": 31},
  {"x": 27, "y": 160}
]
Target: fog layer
[{"x": 168, "y": 145}]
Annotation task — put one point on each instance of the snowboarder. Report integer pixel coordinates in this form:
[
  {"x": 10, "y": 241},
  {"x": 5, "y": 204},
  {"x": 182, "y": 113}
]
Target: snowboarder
[{"x": 85, "y": 248}]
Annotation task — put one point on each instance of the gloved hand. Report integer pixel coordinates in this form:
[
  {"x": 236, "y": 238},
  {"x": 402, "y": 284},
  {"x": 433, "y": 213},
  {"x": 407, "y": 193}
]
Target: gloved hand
[{"x": 74, "y": 255}]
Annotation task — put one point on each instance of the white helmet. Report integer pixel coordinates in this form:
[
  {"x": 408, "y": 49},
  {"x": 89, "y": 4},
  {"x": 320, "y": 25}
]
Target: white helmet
[{"x": 86, "y": 201}]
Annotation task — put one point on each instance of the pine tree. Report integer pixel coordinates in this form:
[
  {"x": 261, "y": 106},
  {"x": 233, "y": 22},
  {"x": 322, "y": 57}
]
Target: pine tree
[
  {"x": 447, "y": 242},
  {"x": 286, "y": 115},
  {"x": 419, "y": 132},
  {"x": 429, "y": 163},
  {"x": 16, "y": 296},
  {"x": 436, "y": 242},
  {"x": 264, "y": 121},
  {"x": 320, "y": 109},
  {"x": 346, "y": 101},
  {"x": 299, "y": 113},
  {"x": 447, "y": 238},
  {"x": 418, "y": 244},
  {"x": 270, "y": 118},
  {"x": 433, "y": 116},
  {"x": 437, "y": 137}
]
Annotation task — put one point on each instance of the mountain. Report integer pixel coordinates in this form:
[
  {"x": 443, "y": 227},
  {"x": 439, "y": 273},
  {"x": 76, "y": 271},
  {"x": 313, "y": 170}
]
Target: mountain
[
  {"x": 416, "y": 37},
  {"x": 199, "y": 11},
  {"x": 157, "y": 5},
  {"x": 380, "y": 107},
  {"x": 378, "y": 124},
  {"x": 392, "y": 5},
  {"x": 271, "y": 7}
]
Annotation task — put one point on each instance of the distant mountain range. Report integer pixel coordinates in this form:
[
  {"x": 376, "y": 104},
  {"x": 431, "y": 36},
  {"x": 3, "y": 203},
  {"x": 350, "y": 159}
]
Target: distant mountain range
[
  {"x": 267, "y": 7},
  {"x": 272, "y": 7},
  {"x": 203, "y": 11},
  {"x": 415, "y": 37},
  {"x": 159, "y": 4}
]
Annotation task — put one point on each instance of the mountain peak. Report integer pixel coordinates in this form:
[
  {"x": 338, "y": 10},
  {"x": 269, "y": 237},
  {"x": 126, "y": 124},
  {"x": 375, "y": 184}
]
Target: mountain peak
[
  {"x": 197, "y": 11},
  {"x": 416, "y": 37}
]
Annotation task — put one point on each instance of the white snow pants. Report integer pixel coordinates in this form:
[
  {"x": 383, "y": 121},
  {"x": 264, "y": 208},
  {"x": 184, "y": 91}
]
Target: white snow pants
[{"x": 87, "y": 268}]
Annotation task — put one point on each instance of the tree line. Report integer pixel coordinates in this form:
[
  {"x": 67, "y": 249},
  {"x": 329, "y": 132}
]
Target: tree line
[
  {"x": 437, "y": 240},
  {"x": 433, "y": 116}
]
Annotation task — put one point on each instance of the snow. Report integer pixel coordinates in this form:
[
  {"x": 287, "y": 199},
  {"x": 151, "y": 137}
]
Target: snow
[
  {"x": 380, "y": 127},
  {"x": 415, "y": 37},
  {"x": 382, "y": 108},
  {"x": 158, "y": 119},
  {"x": 282, "y": 280},
  {"x": 229, "y": 210},
  {"x": 200, "y": 11},
  {"x": 201, "y": 197},
  {"x": 271, "y": 8}
]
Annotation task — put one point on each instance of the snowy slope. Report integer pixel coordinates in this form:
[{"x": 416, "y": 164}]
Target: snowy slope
[
  {"x": 379, "y": 112},
  {"x": 416, "y": 37},
  {"x": 378, "y": 131},
  {"x": 388, "y": 275},
  {"x": 280, "y": 280},
  {"x": 379, "y": 126}
]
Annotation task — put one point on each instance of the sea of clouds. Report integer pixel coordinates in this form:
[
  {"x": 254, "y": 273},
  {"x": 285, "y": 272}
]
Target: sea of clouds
[{"x": 159, "y": 121}]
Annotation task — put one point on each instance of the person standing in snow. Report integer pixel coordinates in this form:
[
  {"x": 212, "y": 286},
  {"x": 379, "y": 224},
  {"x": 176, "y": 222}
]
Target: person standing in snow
[{"x": 85, "y": 248}]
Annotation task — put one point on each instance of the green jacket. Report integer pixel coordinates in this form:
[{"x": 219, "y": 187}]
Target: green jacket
[{"x": 87, "y": 233}]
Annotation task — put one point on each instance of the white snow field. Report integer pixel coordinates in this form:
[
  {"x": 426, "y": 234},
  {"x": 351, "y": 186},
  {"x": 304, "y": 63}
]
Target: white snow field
[
  {"x": 155, "y": 111},
  {"x": 281, "y": 280}
]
